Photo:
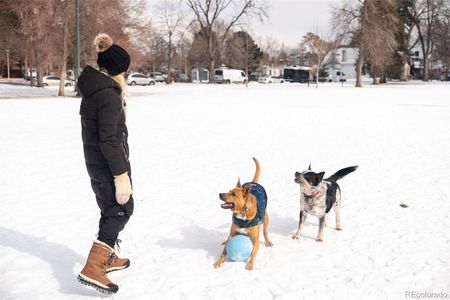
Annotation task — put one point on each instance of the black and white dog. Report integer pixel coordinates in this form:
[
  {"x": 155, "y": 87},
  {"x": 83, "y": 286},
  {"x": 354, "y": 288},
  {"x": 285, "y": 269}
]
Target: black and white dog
[{"x": 318, "y": 196}]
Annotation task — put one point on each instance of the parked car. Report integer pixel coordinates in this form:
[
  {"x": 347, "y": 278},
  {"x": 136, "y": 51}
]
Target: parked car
[
  {"x": 444, "y": 77},
  {"x": 138, "y": 78},
  {"x": 53, "y": 80},
  {"x": 157, "y": 76},
  {"x": 252, "y": 77},
  {"x": 271, "y": 79},
  {"x": 224, "y": 75},
  {"x": 182, "y": 78}
]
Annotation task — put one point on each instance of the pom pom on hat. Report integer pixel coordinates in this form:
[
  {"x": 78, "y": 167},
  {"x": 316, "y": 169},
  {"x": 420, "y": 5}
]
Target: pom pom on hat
[
  {"x": 111, "y": 56},
  {"x": 103, "y": 42}
]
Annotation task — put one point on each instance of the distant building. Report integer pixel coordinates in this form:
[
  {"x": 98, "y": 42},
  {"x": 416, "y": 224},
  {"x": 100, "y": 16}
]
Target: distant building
[
  {"x": 200, "y": 75},
  {"x": 342, "y": 60},
  {"x": 269, "y": 70},
  {"x": 436, "y": 68}
]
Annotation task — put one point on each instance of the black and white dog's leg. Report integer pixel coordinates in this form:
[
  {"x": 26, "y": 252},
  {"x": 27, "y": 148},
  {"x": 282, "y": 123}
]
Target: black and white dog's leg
[
  {"x": 337, "y": 211},
  {"x": 301, "y": 222},
  {"x": 321, "y": 227}
]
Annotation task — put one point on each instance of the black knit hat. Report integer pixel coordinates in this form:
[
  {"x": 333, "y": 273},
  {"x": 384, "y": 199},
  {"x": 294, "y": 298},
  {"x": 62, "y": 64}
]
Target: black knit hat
[{"x": 111, "y": 56}]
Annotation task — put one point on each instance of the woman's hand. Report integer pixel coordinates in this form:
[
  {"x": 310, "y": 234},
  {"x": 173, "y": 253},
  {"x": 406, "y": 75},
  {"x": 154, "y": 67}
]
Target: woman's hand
[{"x": 123, "y": 188}]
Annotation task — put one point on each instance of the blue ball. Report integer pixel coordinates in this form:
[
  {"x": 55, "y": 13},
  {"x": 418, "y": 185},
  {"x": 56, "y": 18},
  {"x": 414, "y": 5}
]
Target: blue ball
[{"x": 239, "y": 248}]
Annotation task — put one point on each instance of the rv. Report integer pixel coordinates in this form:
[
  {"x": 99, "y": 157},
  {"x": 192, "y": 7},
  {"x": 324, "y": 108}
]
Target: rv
[
  {"x": 224, "y": 75},
  {"x": 296, "y": 74},
  {"x": 336, "y": 75}
]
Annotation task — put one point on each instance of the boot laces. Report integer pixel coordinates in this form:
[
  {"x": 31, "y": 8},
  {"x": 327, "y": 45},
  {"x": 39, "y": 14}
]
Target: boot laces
[
  {"x": 113, "y": 256},
  {"x": 117, "y": 244}
]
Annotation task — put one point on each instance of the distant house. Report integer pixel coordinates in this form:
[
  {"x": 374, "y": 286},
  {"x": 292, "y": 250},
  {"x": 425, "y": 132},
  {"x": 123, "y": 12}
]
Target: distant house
[
  {"x": 269, "y": 70},
  {"x": 436, "y": 68},
  {"x": 200, "y": 75},
  {"x": 342, "y": 60}
]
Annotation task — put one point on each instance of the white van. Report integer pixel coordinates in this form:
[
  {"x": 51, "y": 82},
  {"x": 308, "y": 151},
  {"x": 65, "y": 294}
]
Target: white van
[
  {"x": 337, "y": 75},
  {"x": 224, "y": 75}
]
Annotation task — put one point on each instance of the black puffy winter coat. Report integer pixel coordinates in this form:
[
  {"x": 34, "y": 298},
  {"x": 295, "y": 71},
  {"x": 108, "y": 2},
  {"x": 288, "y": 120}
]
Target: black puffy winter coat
[{"x": 104, "y": 132}]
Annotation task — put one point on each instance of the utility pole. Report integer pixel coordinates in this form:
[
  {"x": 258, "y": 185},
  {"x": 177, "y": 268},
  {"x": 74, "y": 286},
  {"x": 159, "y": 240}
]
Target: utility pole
[
  {"x": 7, "y": 62},
  {"x": 77, "y": 68},
  {"x": 78, "y": 37}
]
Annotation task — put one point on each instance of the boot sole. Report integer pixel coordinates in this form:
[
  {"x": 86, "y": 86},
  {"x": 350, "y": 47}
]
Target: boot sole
[
  {"x": 118, "y": 268},
  {"x": 105, "y": 290}
]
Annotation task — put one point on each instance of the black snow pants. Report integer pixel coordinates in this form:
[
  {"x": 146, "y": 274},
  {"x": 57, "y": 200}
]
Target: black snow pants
[{"x": 113, "y": 216}]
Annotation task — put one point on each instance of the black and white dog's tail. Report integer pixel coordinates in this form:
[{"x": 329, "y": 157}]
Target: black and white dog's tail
[{"x": 341, "y": 173}]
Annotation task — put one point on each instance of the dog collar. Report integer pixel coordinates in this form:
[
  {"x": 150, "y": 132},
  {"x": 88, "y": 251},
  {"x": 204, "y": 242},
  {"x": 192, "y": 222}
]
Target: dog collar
[
  {"x": 313, "y": 195},
  {"x": 241, "y": 215},
  {"x": 261, "y": 198}
]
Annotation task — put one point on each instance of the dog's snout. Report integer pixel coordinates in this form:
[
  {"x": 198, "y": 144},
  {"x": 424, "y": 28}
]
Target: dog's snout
[
  {"x": 297, "y": 174},
  {"x": 221, "y": 196}
]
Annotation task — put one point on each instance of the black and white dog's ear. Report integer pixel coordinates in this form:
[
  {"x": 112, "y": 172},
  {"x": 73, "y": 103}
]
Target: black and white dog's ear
[
  {"x": 320, "y": 176},
  {"x": 309, "y": 168}
]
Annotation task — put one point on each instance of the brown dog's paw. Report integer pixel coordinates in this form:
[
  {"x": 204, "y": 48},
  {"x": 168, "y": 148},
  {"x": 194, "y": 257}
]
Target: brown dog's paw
[
  {"x": 218, "y": 263},
  {"x": 249, "y": 266},
  {"x": 268, "y": 243},
  {"x": 338, "y": 228},
  {"x": 296, "y": 237},
  {"x": 319, "y": 240}
]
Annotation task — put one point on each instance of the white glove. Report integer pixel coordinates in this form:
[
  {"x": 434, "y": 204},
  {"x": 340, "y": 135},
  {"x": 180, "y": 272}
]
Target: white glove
[{"x": 123, "y": 188}]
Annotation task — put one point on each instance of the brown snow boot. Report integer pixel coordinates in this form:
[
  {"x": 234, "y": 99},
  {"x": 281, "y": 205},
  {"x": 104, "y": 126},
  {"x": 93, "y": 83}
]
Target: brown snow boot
[
  {"x": 94, "y": 272},
  {"x": 117, "y": 263}
]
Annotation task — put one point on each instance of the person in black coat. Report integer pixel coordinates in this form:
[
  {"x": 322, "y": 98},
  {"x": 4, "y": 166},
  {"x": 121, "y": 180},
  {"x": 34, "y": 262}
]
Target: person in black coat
[{"x": 106, "y": 153}]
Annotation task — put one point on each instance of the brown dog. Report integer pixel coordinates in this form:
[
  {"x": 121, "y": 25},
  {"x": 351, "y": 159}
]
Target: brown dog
[{"x": 248, "y": 204}]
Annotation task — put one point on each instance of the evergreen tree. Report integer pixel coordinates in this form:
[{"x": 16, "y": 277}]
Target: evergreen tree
[{"x": 241, "y": 52}]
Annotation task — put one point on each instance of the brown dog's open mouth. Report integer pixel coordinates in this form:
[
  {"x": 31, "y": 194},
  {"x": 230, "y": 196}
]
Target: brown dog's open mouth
[{"x": 227, "y": 205}]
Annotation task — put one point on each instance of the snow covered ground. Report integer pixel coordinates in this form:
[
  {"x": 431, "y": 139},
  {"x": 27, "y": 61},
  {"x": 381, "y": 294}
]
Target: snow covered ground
[{"x": 190, "y": 142}]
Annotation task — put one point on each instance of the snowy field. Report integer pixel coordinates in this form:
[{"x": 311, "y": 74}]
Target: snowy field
[{"x": 189, "y": 143}]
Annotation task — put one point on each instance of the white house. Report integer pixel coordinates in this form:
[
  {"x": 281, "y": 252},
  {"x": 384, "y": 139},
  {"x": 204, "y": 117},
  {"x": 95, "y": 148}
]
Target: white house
[
  {"x": 269, "y": 70},
  {"x": 343, "y": 60}
]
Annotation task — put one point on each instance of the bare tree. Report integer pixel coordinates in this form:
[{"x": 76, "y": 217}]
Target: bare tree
[
  {"x": 42, "y": 29},
  {"x": 122, "y": 20},
  {"x": 10, "y": 38},
  {"x": 426, "y": 14},
  {"x": 67, "y": 19},
  {"x": 405, "y": 36},
  {"x": 442, "y": 39},
  {"x": 270, "y": 47},
  {"x": 184, "y": 43},
  {"x": 319, "y": 49},
  {"x": 371, "y": 26},
  {"x": 153, "y": 50},
  {"x": 36, "y": 21},
  {"x": 172, "y": 23},
  {"x": 198, "y": 53},
  {"x": 208, "y": 12}
]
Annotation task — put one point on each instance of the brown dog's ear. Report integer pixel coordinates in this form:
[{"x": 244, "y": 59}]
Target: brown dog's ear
[
  {"x": 239, "y": 183},
  {"x": 247, "y": 190}
]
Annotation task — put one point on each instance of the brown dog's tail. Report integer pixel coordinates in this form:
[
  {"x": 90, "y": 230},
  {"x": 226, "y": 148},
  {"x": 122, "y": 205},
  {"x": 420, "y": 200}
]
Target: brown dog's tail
[{"x": 258, "y": 170}]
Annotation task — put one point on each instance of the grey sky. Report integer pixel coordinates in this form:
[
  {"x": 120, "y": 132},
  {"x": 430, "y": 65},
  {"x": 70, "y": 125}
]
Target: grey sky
[{"x": 291, "y": 19}]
